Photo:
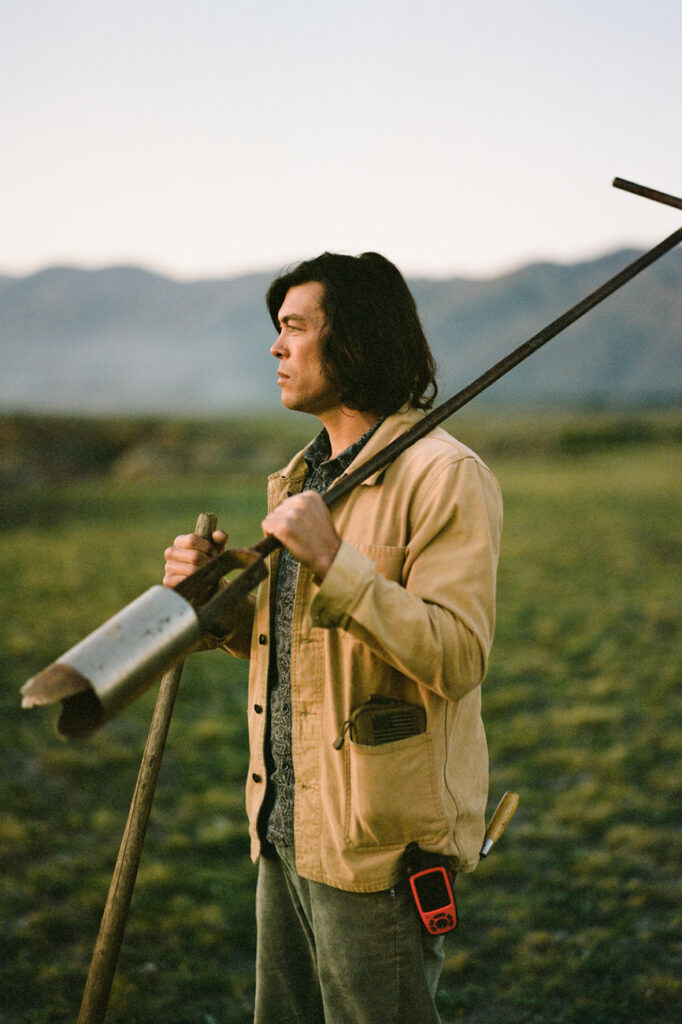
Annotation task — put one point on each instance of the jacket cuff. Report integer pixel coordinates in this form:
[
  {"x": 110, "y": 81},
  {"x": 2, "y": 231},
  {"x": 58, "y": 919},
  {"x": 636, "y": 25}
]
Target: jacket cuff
[{"x": 349, "y": 576}]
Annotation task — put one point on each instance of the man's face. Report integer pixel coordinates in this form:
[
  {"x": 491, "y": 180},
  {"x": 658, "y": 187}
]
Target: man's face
[{"x": 300, "y": 375}]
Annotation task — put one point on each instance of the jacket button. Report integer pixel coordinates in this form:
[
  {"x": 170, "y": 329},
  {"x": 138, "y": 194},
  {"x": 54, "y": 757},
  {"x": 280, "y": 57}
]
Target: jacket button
[
  {"x": 258, "y": 709},
  {"x": 262, "y": 639},
  {"x": 256, "y": 777}
]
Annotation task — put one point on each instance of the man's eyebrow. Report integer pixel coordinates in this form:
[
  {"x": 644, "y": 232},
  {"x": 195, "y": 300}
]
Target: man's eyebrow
[{"x": 291, "y": 316}]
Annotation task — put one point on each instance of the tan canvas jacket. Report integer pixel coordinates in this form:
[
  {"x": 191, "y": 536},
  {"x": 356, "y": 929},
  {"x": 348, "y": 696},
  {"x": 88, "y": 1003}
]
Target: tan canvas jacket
[{"x": 406, "y": 610}]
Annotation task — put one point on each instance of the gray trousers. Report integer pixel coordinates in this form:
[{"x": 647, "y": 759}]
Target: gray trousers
[{"x": 325, "y": 956}]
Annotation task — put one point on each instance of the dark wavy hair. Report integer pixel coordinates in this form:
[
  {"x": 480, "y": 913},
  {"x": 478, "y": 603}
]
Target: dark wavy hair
[{"x": 374, "y": 352}]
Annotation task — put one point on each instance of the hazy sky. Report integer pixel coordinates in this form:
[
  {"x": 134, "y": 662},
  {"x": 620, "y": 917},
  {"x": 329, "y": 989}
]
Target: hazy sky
[{"x": 220, "y": 136}]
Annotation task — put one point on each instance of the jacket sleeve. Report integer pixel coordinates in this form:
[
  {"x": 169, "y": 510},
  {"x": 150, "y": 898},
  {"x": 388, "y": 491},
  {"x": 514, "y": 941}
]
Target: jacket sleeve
[{"x": 436, "y": 625}]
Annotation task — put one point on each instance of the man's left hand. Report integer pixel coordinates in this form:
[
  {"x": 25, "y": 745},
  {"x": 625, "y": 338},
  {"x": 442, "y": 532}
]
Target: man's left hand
[{"x": 303, "y": 524}]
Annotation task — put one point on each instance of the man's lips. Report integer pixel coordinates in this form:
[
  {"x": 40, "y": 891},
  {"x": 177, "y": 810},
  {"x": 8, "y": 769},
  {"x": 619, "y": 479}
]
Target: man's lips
[{"x": 282, "y": 378}]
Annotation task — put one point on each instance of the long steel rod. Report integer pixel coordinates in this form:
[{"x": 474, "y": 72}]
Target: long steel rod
[
  {"x": 212, "y": 613},
  {"x": 110, "y": 936}
]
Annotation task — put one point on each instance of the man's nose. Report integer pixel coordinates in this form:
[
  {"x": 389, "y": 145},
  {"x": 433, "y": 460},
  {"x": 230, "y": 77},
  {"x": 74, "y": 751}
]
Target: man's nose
[{"x": 278, "y": 347}]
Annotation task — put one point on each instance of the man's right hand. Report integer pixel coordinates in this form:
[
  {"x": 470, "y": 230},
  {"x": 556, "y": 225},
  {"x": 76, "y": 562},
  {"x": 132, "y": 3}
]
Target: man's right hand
[{"x": 188, "y": 553}]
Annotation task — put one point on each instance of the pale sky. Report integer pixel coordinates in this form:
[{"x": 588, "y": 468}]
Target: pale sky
[{"x": 218, "y": 137}]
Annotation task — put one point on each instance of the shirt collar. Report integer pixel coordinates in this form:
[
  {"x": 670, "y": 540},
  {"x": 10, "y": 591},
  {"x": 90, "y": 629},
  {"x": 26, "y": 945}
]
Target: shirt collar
[{"x": 319, "y": 451}]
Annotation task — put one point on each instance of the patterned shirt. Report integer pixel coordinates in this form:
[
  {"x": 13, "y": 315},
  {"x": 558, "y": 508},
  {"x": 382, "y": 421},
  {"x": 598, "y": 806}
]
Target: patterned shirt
[{"x": 322, "y": 471}]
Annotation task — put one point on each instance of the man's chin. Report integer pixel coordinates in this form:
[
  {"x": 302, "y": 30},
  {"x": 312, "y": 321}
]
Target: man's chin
[{"x": 290, "y": 402}]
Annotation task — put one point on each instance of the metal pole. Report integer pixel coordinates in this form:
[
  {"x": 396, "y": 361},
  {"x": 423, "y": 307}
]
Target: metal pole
[
  {"x": 211, "y": 614},
  {"x": 648, "y": 193},
  {"x": 109, "y": 939}
]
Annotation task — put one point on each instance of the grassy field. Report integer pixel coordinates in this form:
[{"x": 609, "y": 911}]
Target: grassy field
[{"x": 575, "y": 918}]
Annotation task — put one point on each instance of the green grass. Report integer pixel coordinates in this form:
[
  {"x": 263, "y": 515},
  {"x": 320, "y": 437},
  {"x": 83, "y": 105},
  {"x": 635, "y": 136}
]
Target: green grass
[{"x": 574, "y": 918}]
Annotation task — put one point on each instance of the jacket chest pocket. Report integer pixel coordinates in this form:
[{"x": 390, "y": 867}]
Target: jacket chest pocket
[
  {"x": 391, "y": 794},
  {"x": 388, "y": 558}
]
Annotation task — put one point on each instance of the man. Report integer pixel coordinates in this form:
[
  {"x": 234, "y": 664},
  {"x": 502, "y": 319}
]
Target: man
[{"x": 389, "y": 593}]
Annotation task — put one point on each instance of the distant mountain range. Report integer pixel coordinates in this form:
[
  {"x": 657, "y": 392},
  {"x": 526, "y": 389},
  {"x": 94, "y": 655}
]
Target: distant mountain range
[{"x": 123, "y": 340}]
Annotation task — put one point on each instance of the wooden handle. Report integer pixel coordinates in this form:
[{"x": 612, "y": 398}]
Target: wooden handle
[
  {"x": 110, "y": 937},
  {"x": 206, "y": 524},
  {"x": 504, "y": 812}
]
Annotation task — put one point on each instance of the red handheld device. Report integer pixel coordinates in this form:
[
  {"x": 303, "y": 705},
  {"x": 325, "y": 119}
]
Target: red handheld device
[{"x": 435, "y": 899}]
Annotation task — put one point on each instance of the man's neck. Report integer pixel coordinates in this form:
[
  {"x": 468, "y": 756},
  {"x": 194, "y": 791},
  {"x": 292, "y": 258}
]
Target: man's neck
[{"x": 345, "y": 426}]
